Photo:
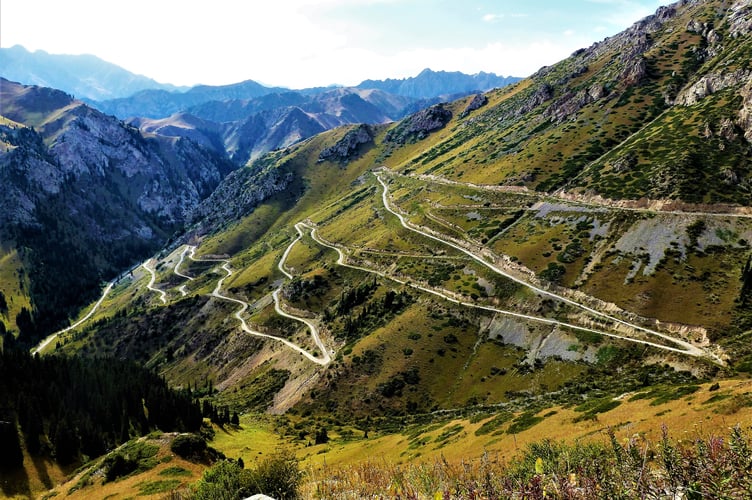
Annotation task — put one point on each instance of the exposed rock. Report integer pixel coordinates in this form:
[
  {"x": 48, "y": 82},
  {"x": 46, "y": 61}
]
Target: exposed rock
[
  {"x": 634, "y": 72},
  {"x": 727, "y": 130},
  {"x": 709, "y": 84},
  {"x": 695, "y": 26},
  {"x": 418, "y": 126},
  {"x": 625, "y": 163},
  {"x": 478, "y": 101},
  {"x": 745, "y": 114},
  {"x": 346, "y": 148},
  {"x": 542, "y": 94},
  {"x": 740, "y": 20},
  {"x": 596, "y": 91},
  {"x": 239, "y": 193},
  {"x": 570, "y": 103}
]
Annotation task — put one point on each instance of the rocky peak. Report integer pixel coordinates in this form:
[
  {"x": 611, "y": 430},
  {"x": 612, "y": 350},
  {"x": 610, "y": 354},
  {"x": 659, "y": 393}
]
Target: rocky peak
[{"x": 740, "y": 20}]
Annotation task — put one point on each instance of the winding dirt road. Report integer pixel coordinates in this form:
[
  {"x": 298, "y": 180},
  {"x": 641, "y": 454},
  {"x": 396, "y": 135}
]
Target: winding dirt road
[
  {"x": 326, "y": 357},
  {"x": 53, "y": 336},
  {"x": 150, "y": 285},
  {"x": 341, "y": 260},
  {"x": 685, "y": 347}
]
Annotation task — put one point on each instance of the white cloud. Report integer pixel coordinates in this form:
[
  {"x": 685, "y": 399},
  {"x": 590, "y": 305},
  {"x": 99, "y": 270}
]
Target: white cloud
[
  {"x": 569, "y": 32},
  {"x": 492, "y": 18},
  {"x": 296, "y": 43}
]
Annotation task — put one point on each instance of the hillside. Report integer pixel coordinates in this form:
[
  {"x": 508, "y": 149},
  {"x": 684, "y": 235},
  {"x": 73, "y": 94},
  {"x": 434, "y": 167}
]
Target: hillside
[
  {"x": 84, "y": 76},
  {"x": 465, "y": 275},
  {"x": 574, "y": 239}
]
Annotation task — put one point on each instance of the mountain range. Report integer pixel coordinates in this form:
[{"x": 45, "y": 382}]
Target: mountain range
[
  {"x": 84, "y": 76},
  {"x": 565, "y": 251}
]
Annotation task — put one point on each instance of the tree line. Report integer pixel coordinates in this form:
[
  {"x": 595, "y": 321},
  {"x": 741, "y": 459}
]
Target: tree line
[{"x": 70, "y": 408}]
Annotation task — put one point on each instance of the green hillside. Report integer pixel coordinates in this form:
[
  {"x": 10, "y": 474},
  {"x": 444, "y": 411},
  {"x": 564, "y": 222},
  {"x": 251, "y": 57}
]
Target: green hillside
[{"x": 580, "y": 236}]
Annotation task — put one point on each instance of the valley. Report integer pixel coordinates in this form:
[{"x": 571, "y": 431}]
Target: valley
[{"x": 484, "y": 286}]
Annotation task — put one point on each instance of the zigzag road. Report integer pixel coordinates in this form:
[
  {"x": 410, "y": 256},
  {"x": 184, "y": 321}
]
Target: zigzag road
[
  {"x": 326, "y": 358},
  {"x": 150, "y": 285},
  {"x": 341, "y": 260},
  {"x": 686, "y": 347}
]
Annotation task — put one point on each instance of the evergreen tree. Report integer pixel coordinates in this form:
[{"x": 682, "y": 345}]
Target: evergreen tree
[
  {"x": 322, "y": 437},
  {"x": 25, "y": 323},
  {"x": 10, "y": 444},
  {"x": 65, "y": 442}
]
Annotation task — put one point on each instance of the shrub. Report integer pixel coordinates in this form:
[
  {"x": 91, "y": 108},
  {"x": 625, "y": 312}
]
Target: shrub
[
  {"x": 277, "y": 476},
  {"x": 189, "y": 446}
]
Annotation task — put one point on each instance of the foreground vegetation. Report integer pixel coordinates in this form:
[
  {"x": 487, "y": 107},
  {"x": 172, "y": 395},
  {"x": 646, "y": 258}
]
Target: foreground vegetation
[
  {"x": 712, "y": 466},
  {"x": 709, "y": 466}
]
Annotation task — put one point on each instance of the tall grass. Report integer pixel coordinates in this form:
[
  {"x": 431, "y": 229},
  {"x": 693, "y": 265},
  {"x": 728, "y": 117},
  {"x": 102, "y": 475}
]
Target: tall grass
[{"x": 710, "y": 466}]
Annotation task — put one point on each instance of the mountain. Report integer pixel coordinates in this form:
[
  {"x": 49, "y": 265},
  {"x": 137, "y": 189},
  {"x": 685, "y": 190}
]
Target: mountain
[
  {"x": 430, "y": 83},
  {"x": 248, "y": 97},
  {"x": 249, "y": 119},
  {"x": 161, "y": 103},
  {"x": 84, "y": 76},
  {"x": 80, "y": 186},
  {"x": 531, "y": 241},
  {"x": 566, "y": 255},
  {"x": 276, "y": 120}
]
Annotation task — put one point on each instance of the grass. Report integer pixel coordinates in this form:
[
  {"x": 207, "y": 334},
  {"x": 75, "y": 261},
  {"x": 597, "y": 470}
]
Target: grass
[
  {"x": 715, "y": 465},
  {"x": 159, "y": 472}
]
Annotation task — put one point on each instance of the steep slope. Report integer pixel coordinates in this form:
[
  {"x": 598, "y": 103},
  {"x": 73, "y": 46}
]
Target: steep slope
[
  {"x": 82, "y": 187},
  {"x": 625, "y": 118},
  {"x": 84, "y": 76}
]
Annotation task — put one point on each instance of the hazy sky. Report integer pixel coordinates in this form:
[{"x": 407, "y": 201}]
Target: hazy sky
[{"x": 303, "y": 43}]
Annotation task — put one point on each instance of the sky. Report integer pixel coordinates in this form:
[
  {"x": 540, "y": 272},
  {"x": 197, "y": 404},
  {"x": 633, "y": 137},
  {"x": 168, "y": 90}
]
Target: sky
[{"x": 306, "y": 43}]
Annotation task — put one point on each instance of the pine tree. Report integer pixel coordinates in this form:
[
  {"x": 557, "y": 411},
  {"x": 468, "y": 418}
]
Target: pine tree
[{"x": 12, "y": 455}]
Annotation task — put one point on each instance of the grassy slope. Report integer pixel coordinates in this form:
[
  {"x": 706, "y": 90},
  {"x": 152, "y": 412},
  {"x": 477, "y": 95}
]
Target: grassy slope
[
  {"x": 14, "y": 286},
  {"x": 700, "y": 413},
  {"x": 165, "y": 472}
]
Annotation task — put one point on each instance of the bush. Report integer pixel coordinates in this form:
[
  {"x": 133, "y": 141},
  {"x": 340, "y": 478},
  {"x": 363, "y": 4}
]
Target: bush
[
  {"x": 277, "y": 476},
  {"x": 118, "y": 465},
  {"x": 189, "y": 446}
]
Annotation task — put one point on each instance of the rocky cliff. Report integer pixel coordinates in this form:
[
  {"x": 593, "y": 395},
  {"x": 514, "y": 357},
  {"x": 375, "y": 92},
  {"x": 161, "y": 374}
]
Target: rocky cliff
[{"x": 81, "y": 185}]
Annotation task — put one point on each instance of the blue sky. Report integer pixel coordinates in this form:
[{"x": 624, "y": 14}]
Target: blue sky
[{"x": 303, "y": 43}]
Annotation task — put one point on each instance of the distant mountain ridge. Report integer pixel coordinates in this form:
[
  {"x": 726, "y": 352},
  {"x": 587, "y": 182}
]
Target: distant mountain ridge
[
  {"x": 246, "y": 128},
  {"x": 431, "y": 83},
  {"x": 423, "y": 90},
  {"x": 84, "y": 76}
]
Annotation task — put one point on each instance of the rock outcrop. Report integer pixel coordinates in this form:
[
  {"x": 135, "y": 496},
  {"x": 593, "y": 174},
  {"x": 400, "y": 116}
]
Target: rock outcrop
[
  {"x": 477, "y": 102},
  {"x": 420, "y": 124},
  {"x": 346, "y": 148}
]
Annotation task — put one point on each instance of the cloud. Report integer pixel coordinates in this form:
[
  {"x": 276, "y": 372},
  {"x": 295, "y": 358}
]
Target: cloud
[
  {"x": 493, "y": 18},
  {"x": 569, "y": 32}
]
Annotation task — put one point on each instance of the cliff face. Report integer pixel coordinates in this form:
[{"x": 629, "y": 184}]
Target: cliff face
[{"x": 82, "y": 184}]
